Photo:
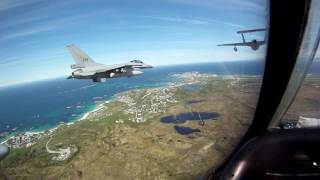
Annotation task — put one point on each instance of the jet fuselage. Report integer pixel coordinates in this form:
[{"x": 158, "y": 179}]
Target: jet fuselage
[{"x": 86, "y": 68}]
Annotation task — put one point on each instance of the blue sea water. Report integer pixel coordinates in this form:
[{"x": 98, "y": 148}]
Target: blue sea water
[{"x": 44, "y": 104}]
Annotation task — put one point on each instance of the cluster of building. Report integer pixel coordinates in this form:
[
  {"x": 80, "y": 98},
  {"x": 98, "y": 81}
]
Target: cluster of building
[
  {"x": 119, "y": 121},
  {"x": 23, "y": 140},
  {"x": 63, "y": 153},
  {"x": 193, "y": 76},
  {"x": 140, "y": 103},
  {"x": 144, "y": 102}
]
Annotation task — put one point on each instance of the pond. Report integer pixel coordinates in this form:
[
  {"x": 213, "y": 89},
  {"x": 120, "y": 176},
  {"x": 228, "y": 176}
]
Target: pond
[
  {"x": 185, "y": 130},
  {"x": 194, "y": 101},
  {"x": 190, "y": 116}
]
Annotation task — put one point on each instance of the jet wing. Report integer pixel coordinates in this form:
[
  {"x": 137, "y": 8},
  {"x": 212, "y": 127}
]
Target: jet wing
[
  {"x": 251, "y": 30},
  {"x": 85, "y": 73},
  {"x": 113, "y": 67},
  {"x": 236, "y": 44}
]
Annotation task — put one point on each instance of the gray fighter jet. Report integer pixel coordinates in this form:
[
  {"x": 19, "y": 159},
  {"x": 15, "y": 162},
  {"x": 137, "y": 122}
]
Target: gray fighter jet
[{"x": 86, "y": 68}]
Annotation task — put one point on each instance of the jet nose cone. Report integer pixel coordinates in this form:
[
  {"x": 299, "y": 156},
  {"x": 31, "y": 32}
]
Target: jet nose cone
[{"x": 148, "y": 66}]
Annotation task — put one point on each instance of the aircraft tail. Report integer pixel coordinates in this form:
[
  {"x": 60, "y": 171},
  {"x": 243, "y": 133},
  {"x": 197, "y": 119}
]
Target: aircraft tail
[{"x": 81, "y": 58}]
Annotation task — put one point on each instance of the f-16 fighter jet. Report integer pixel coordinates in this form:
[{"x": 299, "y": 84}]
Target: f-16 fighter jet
[{"x": 86, "y": 68}]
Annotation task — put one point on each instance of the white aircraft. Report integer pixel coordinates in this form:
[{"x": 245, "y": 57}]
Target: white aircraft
[
  {"x": 86, "y": 68},
  {"x": 254, "y": 44}
]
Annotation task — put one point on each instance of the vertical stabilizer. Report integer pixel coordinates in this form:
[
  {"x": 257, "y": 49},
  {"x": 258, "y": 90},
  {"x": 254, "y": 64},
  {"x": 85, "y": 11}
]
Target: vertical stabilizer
[{"x": 80, "y": 57}]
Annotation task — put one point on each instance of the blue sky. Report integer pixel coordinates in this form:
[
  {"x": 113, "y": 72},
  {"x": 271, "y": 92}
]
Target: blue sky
[{"x": 34, "y": 33}]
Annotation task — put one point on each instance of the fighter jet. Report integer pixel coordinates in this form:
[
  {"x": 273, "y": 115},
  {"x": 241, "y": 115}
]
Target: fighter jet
[
  {"x": 4, "y": 151},
  {"x": 86, "y": 68},
  {"x": 254, "y": 44}
]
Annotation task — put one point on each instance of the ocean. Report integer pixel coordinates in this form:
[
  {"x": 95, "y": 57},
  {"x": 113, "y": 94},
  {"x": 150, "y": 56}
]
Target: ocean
[{"x": 44, "y": 104}]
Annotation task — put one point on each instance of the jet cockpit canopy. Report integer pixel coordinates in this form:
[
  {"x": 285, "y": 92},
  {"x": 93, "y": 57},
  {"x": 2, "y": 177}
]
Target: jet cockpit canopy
[{"x": 136, "y": 61}]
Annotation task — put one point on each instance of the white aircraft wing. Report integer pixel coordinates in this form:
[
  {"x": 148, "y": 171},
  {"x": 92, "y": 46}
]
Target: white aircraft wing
[
  {"x": 82, "y": 73},
  {"x": 110, "y": 68},
  {"x": 252, "y": 30},
  {"x": 88, "y": 73}
]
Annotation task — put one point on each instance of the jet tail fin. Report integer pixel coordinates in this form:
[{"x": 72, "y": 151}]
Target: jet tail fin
[{"x": 80, "y": 57}]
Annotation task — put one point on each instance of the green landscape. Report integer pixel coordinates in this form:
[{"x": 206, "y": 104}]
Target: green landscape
[{"x": 126, "y": 138}]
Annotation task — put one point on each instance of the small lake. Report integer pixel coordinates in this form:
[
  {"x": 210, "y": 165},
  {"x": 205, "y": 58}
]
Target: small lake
[
  {"x": 185, "y": 130},
  {"x": 190, "y": 116},
  {"x": 194, "y": 101}
]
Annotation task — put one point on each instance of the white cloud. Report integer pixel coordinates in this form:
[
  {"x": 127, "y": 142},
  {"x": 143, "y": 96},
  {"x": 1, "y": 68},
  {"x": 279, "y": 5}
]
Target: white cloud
[
  {"x": 57, "y": 23},
  {"x": 181, "y": 56},
  {"x": 27, "y": 32},
  {"x": 229, "y": 24},
  {"x": 178, "y": 20},
  {"x": 195, "y": 21},
  {"x": 259, "y": 5},
  {"x": 10, "y": 4}
]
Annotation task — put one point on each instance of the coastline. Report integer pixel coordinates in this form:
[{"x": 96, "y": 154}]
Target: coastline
[
  {"x": 97, "y": 107},
  {"x": 51, "y": 130},
  {"x": 85, "y": 115}
]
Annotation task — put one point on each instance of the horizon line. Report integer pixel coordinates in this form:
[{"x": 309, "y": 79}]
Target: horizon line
[{"x": 162, "y": 65}]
